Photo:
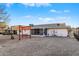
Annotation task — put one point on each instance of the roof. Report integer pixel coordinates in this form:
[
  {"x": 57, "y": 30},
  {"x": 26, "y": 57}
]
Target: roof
[
  {"x": 2, "y": 24},
  {"x": 21, "y": 27},
  {"x": 77, "y": 27},
  {"x": 54, "y": 26}
]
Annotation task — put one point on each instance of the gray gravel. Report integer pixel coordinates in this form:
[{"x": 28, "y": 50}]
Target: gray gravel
[{"x": 39, "y": 46}]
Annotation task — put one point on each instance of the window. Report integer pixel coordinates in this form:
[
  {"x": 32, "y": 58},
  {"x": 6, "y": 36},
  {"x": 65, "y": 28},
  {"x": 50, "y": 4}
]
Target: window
[{"x": 58, "y": 24}]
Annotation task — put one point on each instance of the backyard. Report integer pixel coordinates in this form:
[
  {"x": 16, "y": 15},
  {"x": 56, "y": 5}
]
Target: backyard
[{"x": 38, "y": 46}]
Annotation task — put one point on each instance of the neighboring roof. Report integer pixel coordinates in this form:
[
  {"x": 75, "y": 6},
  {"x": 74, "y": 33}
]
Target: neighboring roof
[
  {"x": 55, "y": 26},
  {"x": 77, "y": 27},
  {"x": 2, "y": 24},
  {"x": 21, "y": 27}
]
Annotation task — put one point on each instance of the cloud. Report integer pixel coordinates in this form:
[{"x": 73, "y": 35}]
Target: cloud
[
  {"x": 28, "y": 16},
  {"x": 8, "y": 4},
  {"x": 66, "y": 11},
  {"x": 54, "y": 19},
  {"x": 57, "y": 19},
  {"x": 59, "y": 11},
  {"x": 36, "y": 4},
  {"x": 55, "y": 11},
  {"x": 46, "y": 19},
  {"x": 29, "y": 4},
  {"x": 63, "y": 17},
  {"x": 60, "y": 18},
  {"x": 32, "y": 4}
]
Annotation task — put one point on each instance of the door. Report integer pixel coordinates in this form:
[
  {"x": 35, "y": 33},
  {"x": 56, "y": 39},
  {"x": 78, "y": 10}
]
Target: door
[{"x": 45, "y": 31}]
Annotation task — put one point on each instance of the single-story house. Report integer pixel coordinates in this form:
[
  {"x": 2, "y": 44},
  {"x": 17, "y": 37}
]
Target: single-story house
[{"x": 56, "y": 29}]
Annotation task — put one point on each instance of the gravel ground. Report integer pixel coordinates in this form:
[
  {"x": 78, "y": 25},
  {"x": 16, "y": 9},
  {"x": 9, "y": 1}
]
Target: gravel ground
[{"x": 39, "y": 46}]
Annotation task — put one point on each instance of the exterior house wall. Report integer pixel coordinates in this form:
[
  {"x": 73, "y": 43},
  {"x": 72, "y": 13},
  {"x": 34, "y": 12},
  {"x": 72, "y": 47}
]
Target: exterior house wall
[
  {"x": 51, "y": 32},
  {"x": 24, "y": 32},
  {"x": 3, "y": 26},
  {"x": 71, "y": 34},
  {"x": 58, "y": 29},
  {"x": 57, "y": 32},
  {"x": 1, "y": 30}
]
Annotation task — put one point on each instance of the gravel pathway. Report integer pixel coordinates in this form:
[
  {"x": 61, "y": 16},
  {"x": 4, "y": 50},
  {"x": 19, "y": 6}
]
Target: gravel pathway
[{"x": 39, "y": 46}]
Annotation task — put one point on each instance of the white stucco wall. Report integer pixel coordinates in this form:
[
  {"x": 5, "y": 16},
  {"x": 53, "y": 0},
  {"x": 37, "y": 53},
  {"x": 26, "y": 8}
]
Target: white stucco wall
[
  {"x": 57, "y": 32},
  {"x": 50, "y": 32},
  {"x": 24, "y": 32}
]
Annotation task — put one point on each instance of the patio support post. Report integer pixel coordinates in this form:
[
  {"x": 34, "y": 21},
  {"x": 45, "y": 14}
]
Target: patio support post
[
  {"x": 22, "y": 32},
  {"x": 19, "y": 33},
  {"x": 43, "y": 31},
  {"x": 12, "y": 37}
]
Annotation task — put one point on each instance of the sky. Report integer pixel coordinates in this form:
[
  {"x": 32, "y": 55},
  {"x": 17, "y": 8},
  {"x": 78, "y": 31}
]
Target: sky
[{"x": 43, "y": 13}]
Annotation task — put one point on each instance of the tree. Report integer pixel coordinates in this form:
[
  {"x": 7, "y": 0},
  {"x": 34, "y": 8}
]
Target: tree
[
  {"x": 4, "y": 16},
  {"x": 69, "y": 30},
  {"x": 31, "y": 24}
]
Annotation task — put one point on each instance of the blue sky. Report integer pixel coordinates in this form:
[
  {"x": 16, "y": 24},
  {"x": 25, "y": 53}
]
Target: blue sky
[{"x": 43, "y": 13}]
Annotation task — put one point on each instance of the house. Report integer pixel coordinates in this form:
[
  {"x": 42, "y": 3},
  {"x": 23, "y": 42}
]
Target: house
[
  {"x": 73, "y": 30},
  {"x": 77, "y": 30},
  {"x": 56, "y": 29},
  {"x": 71, "y": 33},
  {"x": 3, "y": 27},
  {"x": 22, "y": 29}
]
